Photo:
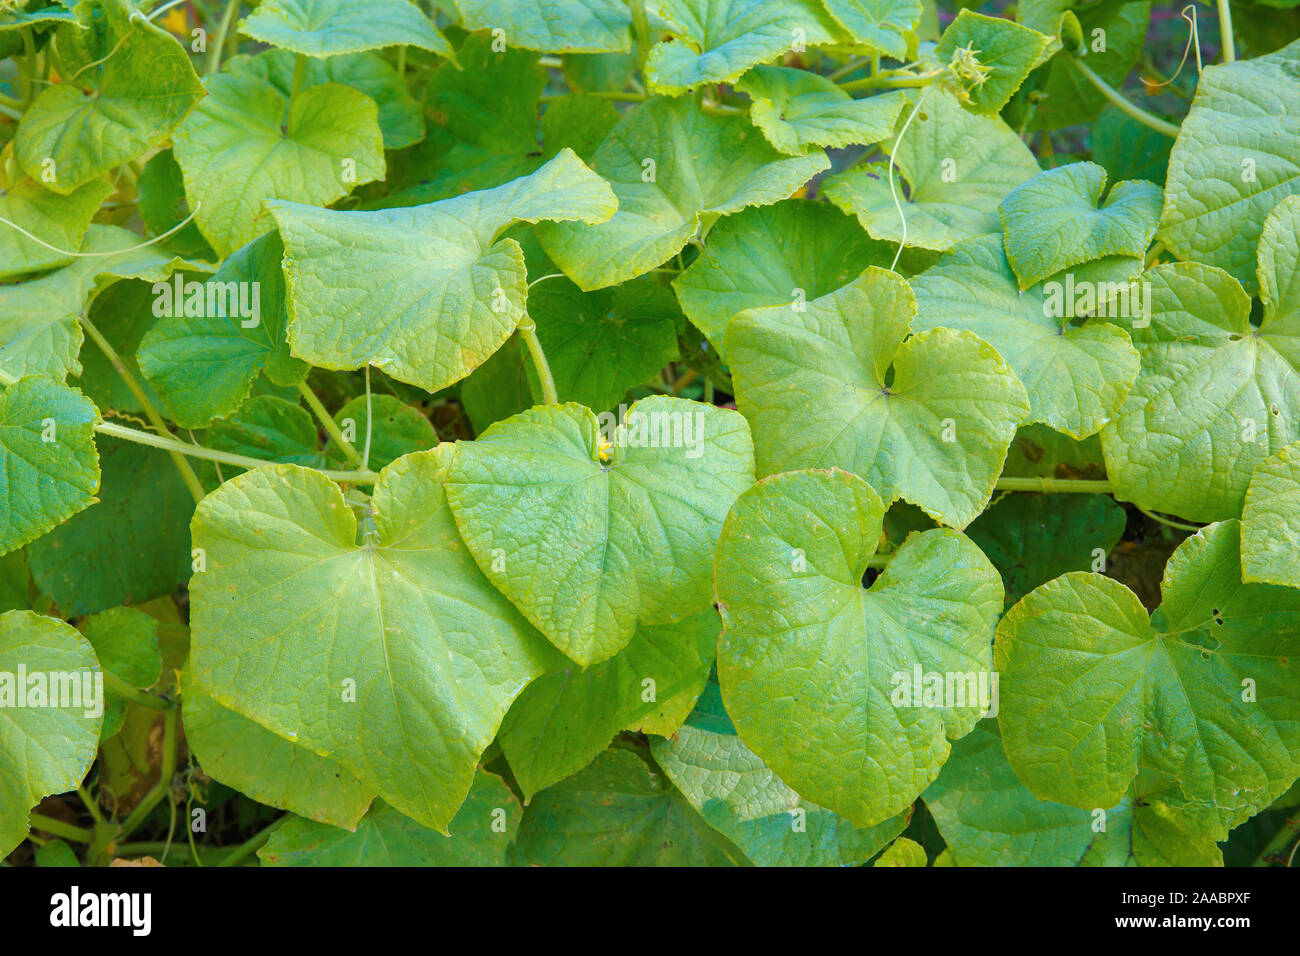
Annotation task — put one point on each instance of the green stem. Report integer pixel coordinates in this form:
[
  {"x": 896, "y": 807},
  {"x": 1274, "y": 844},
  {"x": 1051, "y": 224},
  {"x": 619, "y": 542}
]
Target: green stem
[
  {"x": 187, "y": 473},
  {"x": 886, "y": 81},
  {"x": 248, "y": 847},
  {"x": 641, "y": 30},
  {"x": 219, "y": 41},
  {"x": 401, "y": 62},
  {"x": 331, "y": 426},
  {"x": 299, "y": 76},
  {"x": 124, "y": 690},
  {"x": 160, "y": 849},
  {"x": 162, "y": 788},
  {"x": 10, "y": 112},
  {"x": 528, "y": 330},
  {"x": 851, "y": 67},
  {"x": 92, "y": 805},
  {"x": 1054, "y": 486},
  {"x": 364, "y": 477},
  {"x": 1289, "y": 831},
  {"x": 60, "y": 829},
  {"x": 1225, "y": 31},
  {"x": 1118, "y": 99},
  {"x": 1168, "y": 521},
  {"x": 628, "y": 96}
]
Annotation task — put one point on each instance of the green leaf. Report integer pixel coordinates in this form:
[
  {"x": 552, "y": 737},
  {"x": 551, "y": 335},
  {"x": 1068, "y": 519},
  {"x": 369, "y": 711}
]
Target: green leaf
[
  {"x": 580, "y": 122},
  {"x": 1234, "y": 161},
  {"x": 807, "y": 654},
  {"x": 1214, "y": 398},
  {"x": 480, "y": 834},
  {"x": 566, "y": 717},
  {"x": 398, "y": 429},
  {"x": 43, "y": 749},
  {"x": 1053, "y": 221},
  {"x": 617, "y": 812},
  {"x": 427, "y": 293},
  {"x": 989, "y": 818},
  {"x": 1034, "y": 538},
  {"x": 162, "y": 205},
  {"x": 143, "y": 88},
  {"x": 272, "y": 429},
  {"x": 268, "y": 768},
  {"x": 882, "y": 25},
  {"x": 48, "y": 462},
  {"x": 1279, "y": 276},
  {"x": 57, "y": 220},
  {"x": 378, "y": 646},
  {"x": 126, "y": 642},
  {"x": 15, "y": 581},
  {"x": 1270, "y": 522},
  {"x": 336, "y": 27},
  {"x": 1197, "y": 703},
  {"x": 673, "y": 169},
  {"x": 1006, "y": 48},
  {"x": 553, "y": 26},
  {"x": 599, "y": 344},
  {"x": 123, "y": 313},
  {"x": 716, "y": 41},
  {"x": 797, "y": 110},
  {"x": 213, "y": 338},
  {"x": 1129, "y": 149},
  {"x": 132, "y": 545},
  {"x": 773, "y": 255},
  {"x": 739, "y": 796},
  {"x": 1076, "y": 375},
  {"x": 957, "y": 165},
  {"x": 587, "y": 547},
  {"x": 400, "y": 118},
  {"x": 903, "y": 852},
  {"x": 247, "y": 143},
  {"x": 498, "y": 388},
  {"x": 836, "y": 385}
]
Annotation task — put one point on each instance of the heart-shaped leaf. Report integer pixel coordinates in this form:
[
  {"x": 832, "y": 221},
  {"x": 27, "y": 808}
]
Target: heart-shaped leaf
[
  {"x": 59, "y": 221},
  {"x": 381, "y": 647},
  {"x": 1270, "y": 521},
  {"x": 335, "y": 27},
  {"x": 589, "y": 546},
  {"x": 823, "y": 677},
  {"x": 553, "y": 26},
  {"x": 928, "y": 419},
  {"x": 1006, "y": 49},
  {"x": 882, "y": 25},
  {"x": 797, "y": 110}
]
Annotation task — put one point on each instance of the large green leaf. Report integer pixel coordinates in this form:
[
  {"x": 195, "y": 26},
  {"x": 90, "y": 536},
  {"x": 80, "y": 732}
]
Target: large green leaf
[
  {"x": 248, "y": 143},
  {"x": 796, "y": 250},
  {"x": 928, "y": 419},
  {"x": 379, "y": 645},
  {"x": 882, "y": 25},
  {"x": 674, "y": 169},
  {"x": 817, "y": 672},
  {"x": 1199, "y": 703},
  {"x": 425, "y": 293},
  {"x": 796, "y": 110},
  {"x": 957, "y": 165},
  {"x": 130, "y": 546},
  {"x": 716, "y": 41},
  {"x": 989, "y": 818},
  {"x": 589, "y": 545},
  {"x": 1077, "y": 375},
  {"x": 1270, "y": 521},
  {"x": 43, "y": 749},
  {"x": 398, "y": 429},
  {"x": 204, "y": 353},
  {"x": 268, "y": 768},
  {"x": 1053, "y": 221},
  {"x": 49, "y": 469},
  {"x": 1214, "y": 398},
  {"x": 143, "y": 87},
  {"x": 479, "y": 835},
  {"x": 566, "y": 717},
  {"x": 126, "y": 642},
  {"x": 739, "y": 796},
  {"x": 272, "y": 429},
  {"x": 1278, "y": 273},
  {"x": 553, "y": 26},
  {"x": 335, "y": 27},
  {"x": 59, "y": 221},
  {"x": 1236, "y": 157},
  {"x": 617, "y": 812},
  {"x": 1007, "y": 49}
]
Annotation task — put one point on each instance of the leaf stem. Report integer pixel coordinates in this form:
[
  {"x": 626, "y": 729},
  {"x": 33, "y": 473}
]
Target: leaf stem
[
  {"x": 331, "y": 426},
  {"x": 1289, "y": 830},
  {"x": 187, "y": 473},
  {"x": 1119, "y": 99},
  {"x": 528, "y": 330},
  {"x": 890, "y": 81},
  {"x": 124, "y": 690},
  {"x": 249, "y": 846},
  {"x": 1167, "y": 521},
  {"x": 1052, "y": 486},
  {"x": 162, "y": 788},
  {"x": 641, "y": 30},
  {"x": 92, "y": 805},
  {"x": 299, "y": 76},
  {"x": 1225, "y": 31},
  {"x": 60, "y": 829},
  {"x": 219, "y": 40}
]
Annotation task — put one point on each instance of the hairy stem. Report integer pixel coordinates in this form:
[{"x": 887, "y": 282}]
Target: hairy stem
[
  {"x": 327, "y": 421},
  {"x": 528, "y": 330},
  {"x": 1119, "y": 99},
  {"x": 187, "y": 473},
  {"x": 60, "y": 829},
  {"x": 1225, "y": 31}
]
